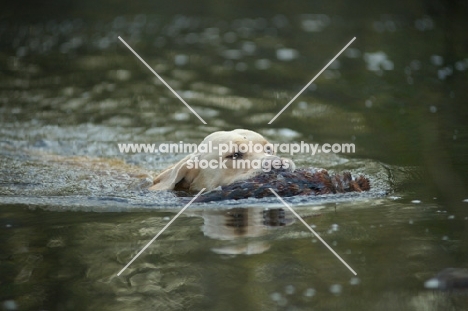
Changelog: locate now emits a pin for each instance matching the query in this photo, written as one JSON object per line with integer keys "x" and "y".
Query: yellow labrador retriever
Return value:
{"x": 229, "y": 161}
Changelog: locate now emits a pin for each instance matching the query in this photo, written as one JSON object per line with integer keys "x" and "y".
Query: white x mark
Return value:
{"x": 313, "y": 79}
{"x": 312, "y": 230}
{"x": 160, "y": 232}
{"x": 162, "y": 80}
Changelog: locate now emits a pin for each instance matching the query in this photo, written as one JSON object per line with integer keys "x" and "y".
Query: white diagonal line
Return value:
{"x": 164, "y": 82}
{"x": 313, "y": 79}
{"x": 162, "y": 230}
{"x": 312, "y": 230}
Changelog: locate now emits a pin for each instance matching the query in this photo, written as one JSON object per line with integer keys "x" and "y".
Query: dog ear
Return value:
{"x": 174, "y": 174}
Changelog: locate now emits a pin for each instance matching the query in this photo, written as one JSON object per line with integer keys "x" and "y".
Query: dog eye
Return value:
{"x": 268, "y": 150}
{"x": 235, "y": 156}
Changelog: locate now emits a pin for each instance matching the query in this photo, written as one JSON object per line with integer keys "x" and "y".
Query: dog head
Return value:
{"x": 221, "y": 158}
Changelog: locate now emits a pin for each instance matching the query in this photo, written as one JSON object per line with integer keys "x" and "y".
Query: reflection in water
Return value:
{"x": 56, "y": 259}
{"x": 241, "y": 224}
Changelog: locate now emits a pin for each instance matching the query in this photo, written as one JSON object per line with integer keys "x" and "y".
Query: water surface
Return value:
{"x": 74, "y": 210}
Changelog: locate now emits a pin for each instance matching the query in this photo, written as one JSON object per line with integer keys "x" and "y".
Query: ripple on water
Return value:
{"x": 73, "y": 180}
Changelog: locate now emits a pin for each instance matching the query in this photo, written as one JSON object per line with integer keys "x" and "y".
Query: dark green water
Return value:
{"x": 74, "y": 210}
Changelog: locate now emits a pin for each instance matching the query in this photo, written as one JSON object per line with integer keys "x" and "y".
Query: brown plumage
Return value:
{"x": 286, "y": 183}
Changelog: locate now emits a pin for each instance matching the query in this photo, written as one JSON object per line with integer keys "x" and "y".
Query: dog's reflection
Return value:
{"x": 241, "y": 225}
